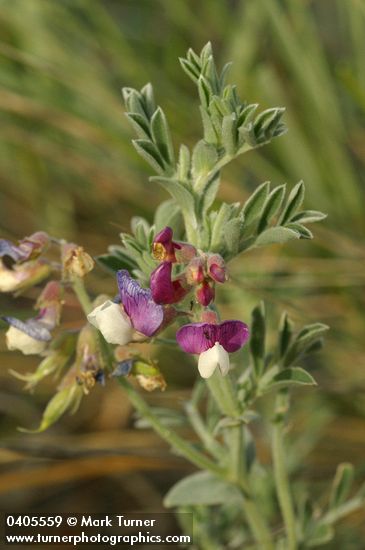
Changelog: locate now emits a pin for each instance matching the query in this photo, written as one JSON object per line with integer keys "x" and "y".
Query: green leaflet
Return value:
{"x": 319, "y": 535}
{"x": 308, "y": 216}
{"x": 252, "y": 208}
{"x": 289, "y": 377}
{"x": 231, "y": 234}
{"x": 276, "y": 235}
{"x": 285, "y": 333}
{"x": 257, "y": 339}
{"x": 161, "y": 136}
{"x": 272, "y": 205}
{"x": 202, "y": 488}
{"x": 303, "y": 341}
{"x": 168, "y": 214}
{"x": 179, "y": 192}
{"x": 341, "y": 484}
{"x": 204, "y": 158}
{"x": 115, "y": 262}
{"x": 150, "y": 153}
{"x": 294, "y": 202}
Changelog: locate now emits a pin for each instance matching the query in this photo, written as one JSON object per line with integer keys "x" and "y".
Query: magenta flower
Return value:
{"x": 164, "y": 289}
{"x": 145, "y": 315}
{"x": 163, "y": 247}
{"x": 212, "y": 343}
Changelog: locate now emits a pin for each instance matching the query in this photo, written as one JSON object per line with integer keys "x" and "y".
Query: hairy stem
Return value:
{"x": 211, "y": 444}
{"x": 82, "y": 295}
{"x": 221, "y": 389}
{"x": 180, "y": 445}
{"x": 222, "y": 392}
{"x": 280, "y": 472}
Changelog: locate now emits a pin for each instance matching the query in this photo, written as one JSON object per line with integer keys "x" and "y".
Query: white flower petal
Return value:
{"x": 211, "y": 359}
{"x": 112, "y": 322}
{"x": 18, "y": 340}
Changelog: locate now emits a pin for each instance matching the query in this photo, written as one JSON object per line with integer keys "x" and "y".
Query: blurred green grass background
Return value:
{"x": 67, "y": 166}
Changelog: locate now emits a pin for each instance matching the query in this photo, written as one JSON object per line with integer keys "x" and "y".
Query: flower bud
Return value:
{"x": 50, "y": 304}
{"x": 216, "y": 268}
{"x": 209, "y": 316}
{"x": 194, "y": 272}
{"x": 185, "y": 253}
{"x": 67, "y": 398}
{"x": 75, "y": 261}
{"x": 112, "y": 322}
{"x": 205, "y": 293}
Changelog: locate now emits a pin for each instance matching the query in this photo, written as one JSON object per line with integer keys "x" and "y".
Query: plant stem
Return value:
{"x": 222, "y": 392}
{"x": 352, "y": 505}
{"x": 82, "y": 295}
{"x": 211, "y": 444}
{"x": 180, "y": 445}
{"x": 280, "y": 472}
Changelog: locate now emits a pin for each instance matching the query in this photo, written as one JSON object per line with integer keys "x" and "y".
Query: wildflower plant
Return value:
{"x": 167, "y": 276}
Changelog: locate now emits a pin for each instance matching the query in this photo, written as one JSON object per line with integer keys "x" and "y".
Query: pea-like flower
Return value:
{"x": 33, "y": 335}
{"x": 164, "y": 289}
{"x": 165, "y": 249}
{"x": 212, "y": 343}
{"x": 27, "y": 249}
{"x": 137, "y": 313}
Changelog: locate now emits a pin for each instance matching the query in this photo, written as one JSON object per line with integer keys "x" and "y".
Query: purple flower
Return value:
{"x": 164, "y": 289}
{"x": 145, "y": 315}
{"x": 213, "y": 343}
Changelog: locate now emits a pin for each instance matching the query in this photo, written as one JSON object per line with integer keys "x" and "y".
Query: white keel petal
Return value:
{"x": 211, "y": 359}
{"x": 112, "y": 322}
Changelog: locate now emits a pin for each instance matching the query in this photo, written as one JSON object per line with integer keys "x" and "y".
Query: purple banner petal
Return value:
{"x": 33, "y": 328}
{"x": 197, "y": 337}
{"x": 146, "y": 316}
{"x": 232, "y": 335}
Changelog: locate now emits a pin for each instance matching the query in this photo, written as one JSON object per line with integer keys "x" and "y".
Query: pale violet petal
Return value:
{"x": 112, "y": 322}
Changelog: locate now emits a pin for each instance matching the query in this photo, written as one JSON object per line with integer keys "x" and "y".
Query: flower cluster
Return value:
{"x": 201, "y": 271}
{"x": 140, "y": 313}
{"x": 134, "y": 316}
